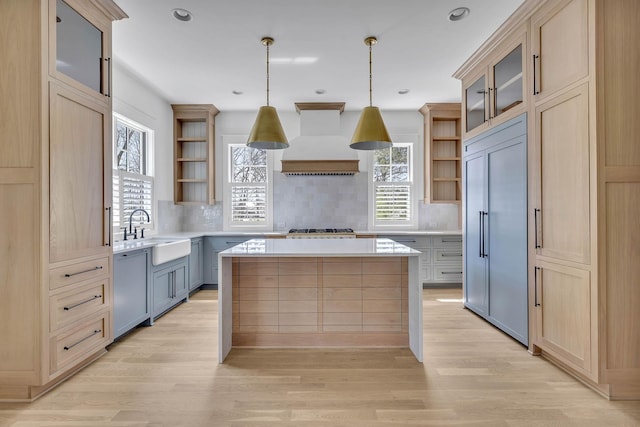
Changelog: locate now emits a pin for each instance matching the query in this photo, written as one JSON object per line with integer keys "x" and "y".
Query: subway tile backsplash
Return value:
{"x": 306, "y": 202}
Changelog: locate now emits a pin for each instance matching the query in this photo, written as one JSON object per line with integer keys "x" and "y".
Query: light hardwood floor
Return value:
{"x": 168, "y": 375}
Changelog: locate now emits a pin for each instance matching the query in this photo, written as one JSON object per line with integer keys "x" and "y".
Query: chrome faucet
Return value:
{"x": 135, "y": 235}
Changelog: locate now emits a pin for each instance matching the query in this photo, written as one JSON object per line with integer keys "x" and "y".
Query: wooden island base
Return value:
{"x": 320, "y": 301}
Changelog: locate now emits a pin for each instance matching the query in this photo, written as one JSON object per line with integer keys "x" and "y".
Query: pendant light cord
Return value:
{"x": 268, "y": 44}
{"x": 370, "y": 78}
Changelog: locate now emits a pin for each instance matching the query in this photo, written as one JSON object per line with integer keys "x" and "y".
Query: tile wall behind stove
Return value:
{"x": 320, "y": 201}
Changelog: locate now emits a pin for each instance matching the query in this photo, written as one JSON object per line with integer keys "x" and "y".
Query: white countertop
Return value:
{"x": 321, "y": 247}
{"x": 147, "y": 242}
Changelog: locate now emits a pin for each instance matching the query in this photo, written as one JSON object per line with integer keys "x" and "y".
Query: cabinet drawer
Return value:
{"x": 415, "y": 242}
{"x": 447, "y": 242}
{"x": 69, "y": 307}
{"x": 73, "y": 273}
{"x": 222, "y": 243}
{"x": 73, "y": 345}
{"x": 448, "y": 256}
{"x": 448, "y": 274}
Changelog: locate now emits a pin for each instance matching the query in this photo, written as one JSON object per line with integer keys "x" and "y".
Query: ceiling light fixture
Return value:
{"x": 182, "y": 15}
{"x": 459, "y": 13}
{"x": 267, "y": 131}
{"x": 370, "y": 134}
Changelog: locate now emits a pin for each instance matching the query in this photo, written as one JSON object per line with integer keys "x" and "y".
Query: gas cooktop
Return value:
{"x": 320, "y": 230}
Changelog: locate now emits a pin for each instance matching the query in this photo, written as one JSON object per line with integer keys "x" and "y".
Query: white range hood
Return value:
{"x": 320, "y": 149}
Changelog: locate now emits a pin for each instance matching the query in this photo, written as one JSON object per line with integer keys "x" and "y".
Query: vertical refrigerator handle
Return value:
{"x": 480, "y": 237}
{"x": 484, "y": 234}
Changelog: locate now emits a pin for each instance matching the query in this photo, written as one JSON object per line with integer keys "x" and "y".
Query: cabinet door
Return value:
{"x": 81, "y": 44}
{"x": 564, "y": 298}
{"x": 562, "y": 137}
{"x": 180, "y": 281}
{"x": 507, "y": 236}
{"x": 195, "y": 264}
{"x": 507, "y": 82}
{"x": 560, "y": 45}
{"x": 475, "y": 281}
{"x": 162, "y": 290}
{"x": 79, "y": 175}
{"x": 129, "y": 291}
{"x": 475, "y": 96}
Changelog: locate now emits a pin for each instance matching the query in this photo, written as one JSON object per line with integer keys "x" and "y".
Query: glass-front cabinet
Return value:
{"x": 82, "y": 54}
{"x": 494, "y": 93}
{"x": 507, "y": 82}
{"x": 475, "y": 103}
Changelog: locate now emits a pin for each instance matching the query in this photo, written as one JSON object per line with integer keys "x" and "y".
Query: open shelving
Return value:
{"x": 194, "y": 153}
{"x": 442, "y": 153}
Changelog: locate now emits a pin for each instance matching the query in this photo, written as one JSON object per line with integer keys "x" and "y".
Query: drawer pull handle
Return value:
{"x": 451, "y": 240}
{"x": 405, "y": 241}
{"x": 451, "y": 272}
{"x": 71, "y": 307}
{"x": 451, "y": 255}
{"x": 99, "y": 267}
{"x": 69, "y": 347}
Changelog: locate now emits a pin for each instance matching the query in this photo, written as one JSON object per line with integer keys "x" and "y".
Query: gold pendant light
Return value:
{"x": 267, "y": 131}
{"x": 371, "y": 133}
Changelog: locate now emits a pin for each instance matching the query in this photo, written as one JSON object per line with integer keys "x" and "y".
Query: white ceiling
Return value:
{"x": 219, "y": 50}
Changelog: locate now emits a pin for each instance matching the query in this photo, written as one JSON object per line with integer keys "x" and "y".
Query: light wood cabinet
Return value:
{"x": 79, "y": 167}
{"x": 194, "y": 153}
{"x": 55, "y": 253}
{"x": 584, "y": 185}
{"x": 442, "y": 153}
{"x": 560, "y": 46}
{"x": 493, "y": 91}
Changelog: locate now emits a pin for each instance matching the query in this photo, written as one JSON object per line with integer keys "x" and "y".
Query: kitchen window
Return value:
{"x": 248, "y": 187}
{"x": 392, "y": 188}
{"x": 132, "y": 174}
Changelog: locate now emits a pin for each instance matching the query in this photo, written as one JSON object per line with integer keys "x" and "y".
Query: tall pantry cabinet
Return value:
{"x": 55, "y": 175}
{"x": 584, "y": 186}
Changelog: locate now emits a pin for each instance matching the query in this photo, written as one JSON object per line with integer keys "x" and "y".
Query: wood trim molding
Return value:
{"x": 320, "y": 167}
{"x": 320, "y": 106}
{"x": 528, "y": 8}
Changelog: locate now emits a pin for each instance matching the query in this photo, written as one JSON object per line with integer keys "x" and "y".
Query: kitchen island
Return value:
{"x": 319, "y": 293}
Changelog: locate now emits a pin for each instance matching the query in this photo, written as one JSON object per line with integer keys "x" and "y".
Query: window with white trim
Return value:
{"x": 393, "y": 190}
{"x": 247, "y": 195}
{"x": 132, "y": 174}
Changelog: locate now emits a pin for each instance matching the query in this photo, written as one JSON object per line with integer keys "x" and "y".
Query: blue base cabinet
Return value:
{"x": 495, "y": 227}
{"x": 131, "y": 296}
{"x": 212, "y": 246}
{"x": 170, "y": 283}
{"x": 196, "y": 269}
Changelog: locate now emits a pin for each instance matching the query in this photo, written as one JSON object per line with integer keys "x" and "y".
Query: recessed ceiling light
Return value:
{"x": 237, "y": 92}
{"x": 459, "y": 13}
{"x": 182, "y": 15}
{"x": 403, "y": 91}
{"x": 320, "y": 91}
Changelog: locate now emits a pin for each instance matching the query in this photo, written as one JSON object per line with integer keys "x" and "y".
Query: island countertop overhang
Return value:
{"x": 320, "y": 247}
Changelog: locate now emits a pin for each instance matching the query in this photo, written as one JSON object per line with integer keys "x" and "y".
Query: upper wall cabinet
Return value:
{"x": 493, "y": 91}
{"x": 557, "y": 65}
{"x": 80, "y": 50}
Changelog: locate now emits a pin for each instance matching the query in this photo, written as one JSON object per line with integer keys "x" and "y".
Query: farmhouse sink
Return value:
{"x": 168, "y": 250}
